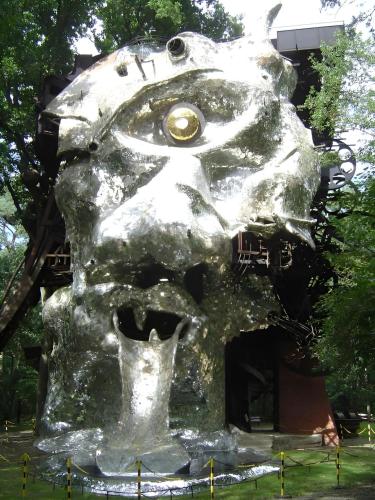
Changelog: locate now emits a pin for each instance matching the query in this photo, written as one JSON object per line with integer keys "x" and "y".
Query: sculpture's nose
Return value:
{"x": 171, "y": 219}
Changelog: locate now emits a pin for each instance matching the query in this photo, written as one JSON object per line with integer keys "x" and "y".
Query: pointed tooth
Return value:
{"x": 140, "y": 315}
{"x": 154, "y": 336}
{"x": 116, "y": 323}
{"x": 181, "y": 326}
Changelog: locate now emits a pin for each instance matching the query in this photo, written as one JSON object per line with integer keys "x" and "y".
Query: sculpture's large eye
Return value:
{"x": 183, "y": 123}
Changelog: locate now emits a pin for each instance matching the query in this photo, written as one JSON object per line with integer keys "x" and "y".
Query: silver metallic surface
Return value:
{"x": 155, "y": 486}
{"x": 146, "y": 219}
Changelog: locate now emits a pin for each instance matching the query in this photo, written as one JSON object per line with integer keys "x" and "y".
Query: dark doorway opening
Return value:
{"x": 251, "y": 371}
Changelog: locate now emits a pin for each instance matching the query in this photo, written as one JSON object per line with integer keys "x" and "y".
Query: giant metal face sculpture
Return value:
{"x": 169, "y": 153}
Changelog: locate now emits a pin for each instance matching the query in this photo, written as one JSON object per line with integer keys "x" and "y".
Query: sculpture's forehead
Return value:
{"x": 99, "y": 91}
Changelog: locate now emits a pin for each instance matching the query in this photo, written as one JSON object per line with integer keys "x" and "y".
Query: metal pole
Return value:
{"x": 25, "y": 459}
{"x": 139, "y": 469}
{"x": 338, "y": 466}
{"x": 212, "y": 478}
{"x": 368, "y": 409}
{"x": 69, "y": 477}
{"x": 282, "y": 474}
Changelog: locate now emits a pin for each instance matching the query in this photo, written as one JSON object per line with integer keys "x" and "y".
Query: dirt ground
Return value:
{"x": 17, "y": 443}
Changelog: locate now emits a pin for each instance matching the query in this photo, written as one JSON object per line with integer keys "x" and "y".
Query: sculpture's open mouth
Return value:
{"x": 157, "y": 325}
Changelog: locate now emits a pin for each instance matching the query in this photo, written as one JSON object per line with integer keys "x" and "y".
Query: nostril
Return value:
{"x": 266, "y": 220}
{"x": 194, "y": 280}
{"x": 152, "y": 275}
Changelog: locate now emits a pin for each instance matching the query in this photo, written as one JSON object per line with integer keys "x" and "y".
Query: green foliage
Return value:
{"x": 124, "y": 20}
{"x": 35, "y": 41}
{"x": 346, "y": 101}
{"x": 18, "y": 380}
{"x": 347, "y": 343}
{"x": 362, "y": 11}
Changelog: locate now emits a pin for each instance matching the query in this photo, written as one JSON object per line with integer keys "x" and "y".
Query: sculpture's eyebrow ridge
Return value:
{"x": 149, "y": 88}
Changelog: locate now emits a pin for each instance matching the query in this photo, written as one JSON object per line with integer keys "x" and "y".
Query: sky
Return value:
{"x": 292, "y": 13}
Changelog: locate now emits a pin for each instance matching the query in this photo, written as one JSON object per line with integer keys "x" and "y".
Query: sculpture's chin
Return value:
{"x": 147, "y": 362}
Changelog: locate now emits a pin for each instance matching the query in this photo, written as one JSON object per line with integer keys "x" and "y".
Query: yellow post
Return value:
{"x": 25, "y": 459}
{"x": 69, "y": 477}
{"x": 338, "y": 466}
{"x": 282, "y": 474}
{"x": 212, "y": 478}
{"x": 139, "y": 479}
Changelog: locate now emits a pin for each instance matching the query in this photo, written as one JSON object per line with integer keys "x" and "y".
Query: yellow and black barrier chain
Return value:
{"x": 309, "y": 464}
{"x": 159, "y": 476}
{"x": 139, "y": 464}
{"x": 80, "y": 469}
{"x": 4, "y": 458}
{"x": 367, "y": 429}
{"x": 25, "y": 463}
{"x": 240, "y": 466}
{"x": 69, "y": 478}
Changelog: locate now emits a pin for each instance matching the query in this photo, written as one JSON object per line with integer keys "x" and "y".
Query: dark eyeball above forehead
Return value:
{"x": 183, "y": 124}
{"x": 177, "y": 48}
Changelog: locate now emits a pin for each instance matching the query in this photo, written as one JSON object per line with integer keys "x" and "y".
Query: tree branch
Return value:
{"x": 13, "y": 195}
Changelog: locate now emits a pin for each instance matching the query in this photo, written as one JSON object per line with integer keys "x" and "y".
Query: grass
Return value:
{"x": 357, "y": 468}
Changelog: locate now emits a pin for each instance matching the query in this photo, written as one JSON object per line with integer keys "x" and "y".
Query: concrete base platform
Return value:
{"x": 263, "y": 443}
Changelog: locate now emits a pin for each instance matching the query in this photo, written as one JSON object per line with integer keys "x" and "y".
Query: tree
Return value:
{"x": 17, "y": 379}
{"x": 347, "y": 342}
{"x": 346, "y": 101}
{"x": 364, "y": 11}
{"x": 124, "y": 20}
{"x": 35, "y": 41}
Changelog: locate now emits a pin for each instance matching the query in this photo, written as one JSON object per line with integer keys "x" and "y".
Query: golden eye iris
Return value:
{"x": 183, "y": 124}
